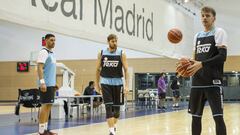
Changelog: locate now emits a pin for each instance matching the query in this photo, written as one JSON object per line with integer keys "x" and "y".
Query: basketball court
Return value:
{"x": 148, "y": 122}
{"x": 154, "y": 35}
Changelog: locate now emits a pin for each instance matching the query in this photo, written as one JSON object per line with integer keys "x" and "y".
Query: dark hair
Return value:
{"x": 161, "y": 74}
{"x": 47, "y": 36}
{"x": 209, "y": 9}
{"x": 90, "y": 83}
{"x": 111, "y": 36}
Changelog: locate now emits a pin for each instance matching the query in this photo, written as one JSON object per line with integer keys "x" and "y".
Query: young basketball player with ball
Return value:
{"x": 206, "y": 69}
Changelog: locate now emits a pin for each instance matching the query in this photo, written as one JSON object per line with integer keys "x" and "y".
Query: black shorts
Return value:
{"x": 162, "y": 95}
{"x": 199, "y": 96}
{"x": 176, "y": 93}
{"x": 48, "y": 96}
{"x": 113, "y": 94}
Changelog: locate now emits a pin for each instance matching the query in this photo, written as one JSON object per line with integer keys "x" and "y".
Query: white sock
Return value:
{"x": 111, "y": 130}
{"x": 176, "y": 104}
{"x": 46, "y": 126}
{"x": 41, "y": 128}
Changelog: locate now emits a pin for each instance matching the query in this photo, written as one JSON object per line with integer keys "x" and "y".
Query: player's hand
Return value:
{"x": 99, "y": 89}
{"x": 43, "y": 87}
{"x": 126, "y": 90}
{"x": 56, "y": 88}
{"x": 183, "y": 59}
{"x": 191, "y": 70}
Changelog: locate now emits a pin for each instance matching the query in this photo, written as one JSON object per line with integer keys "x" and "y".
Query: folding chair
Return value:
{"x": 29, "y": 98}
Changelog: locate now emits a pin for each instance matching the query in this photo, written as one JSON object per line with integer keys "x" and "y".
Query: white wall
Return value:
{"x": 18, "y": 41}
{"x": 140, "y": 25}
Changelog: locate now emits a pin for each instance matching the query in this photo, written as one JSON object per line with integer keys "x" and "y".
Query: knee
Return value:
{"x": 196, "y": 120}
{"x": 109, "y": 112}
{"x": 46, "y": 107}
{"x": 218, "y": 119}
{"x": 117, "y": 114}
{"x": 49, "y": 106}
{"x": 116, "y": 111}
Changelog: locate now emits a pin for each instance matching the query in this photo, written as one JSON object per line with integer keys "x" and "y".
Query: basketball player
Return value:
{"x": 162, "y": 91}
{"x": 207, "y": 70}
{"x": 46, "y": 64}
{"x": 109, "y": 81}
{"x": 175, "y": 85}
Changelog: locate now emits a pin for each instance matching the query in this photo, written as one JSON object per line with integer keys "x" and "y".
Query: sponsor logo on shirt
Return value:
{"x": 216, "y": 82}
{"x": 110, "y": 63}
{"x": 204, "y": 48}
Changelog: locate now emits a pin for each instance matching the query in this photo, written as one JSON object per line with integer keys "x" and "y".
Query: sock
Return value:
{"x": 46, "y": 126}
{"x": 112, "y": 130}
{"x": 176, "y": 104}
{"x": 41, "y": 128}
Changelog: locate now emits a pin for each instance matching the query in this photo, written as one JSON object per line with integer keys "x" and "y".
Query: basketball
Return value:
{"x": 77, "y": 94}
{"x": 174, "y": 35}
{"x": 182, "y": 66}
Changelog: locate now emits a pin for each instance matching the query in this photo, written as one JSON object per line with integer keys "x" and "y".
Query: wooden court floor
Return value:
{"x": 171, "y": 123}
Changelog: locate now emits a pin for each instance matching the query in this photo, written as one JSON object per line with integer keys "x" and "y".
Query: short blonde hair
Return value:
{"x": 111, "y": 36}
{"x": 209, "y": 9}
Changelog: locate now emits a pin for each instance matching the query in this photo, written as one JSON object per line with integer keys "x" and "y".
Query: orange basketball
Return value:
{"x": 77, "y": 94}
{"x": 174, "y": 35}
{"x": 182, "y": 66}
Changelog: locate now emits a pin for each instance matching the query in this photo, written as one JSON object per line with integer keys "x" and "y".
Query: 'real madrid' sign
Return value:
{"x": 106, "y": 14}
{"x": 139, "y": 24}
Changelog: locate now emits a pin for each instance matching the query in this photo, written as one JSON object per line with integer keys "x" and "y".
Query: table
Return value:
{"x": 78, "y": 97}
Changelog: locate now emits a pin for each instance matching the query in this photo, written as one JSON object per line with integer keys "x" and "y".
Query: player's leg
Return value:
{"x": 118, "y": 100}
{"x": 163, "y": 100}
{"x": 160, "y": 100}
{"x": 215, "y": 99}
{"x": 49, "y": 101}
{"x": 177, "y": 96}
{"x": 46, "y": 99}
{"x": 108, "y": 101}
{"x": 116, "y": 116}
{"x": 174, "y": 98}
{"x": 42, "y": 119}
{"x": 162, "y": 97}
{"x": 196, "y": 105}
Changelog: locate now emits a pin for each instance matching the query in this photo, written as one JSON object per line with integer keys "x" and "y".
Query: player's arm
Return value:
{"x": 196, "y": 65}
{"x": 41, "y": 78}
{"x": 42, "y": 57}
{"x": 126, "y": 75}
{"x": 219, "y": 58}
{"x": 40, "y": 70}
{"x": 98, "y": 70}
{"x": 221, "y": 44}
